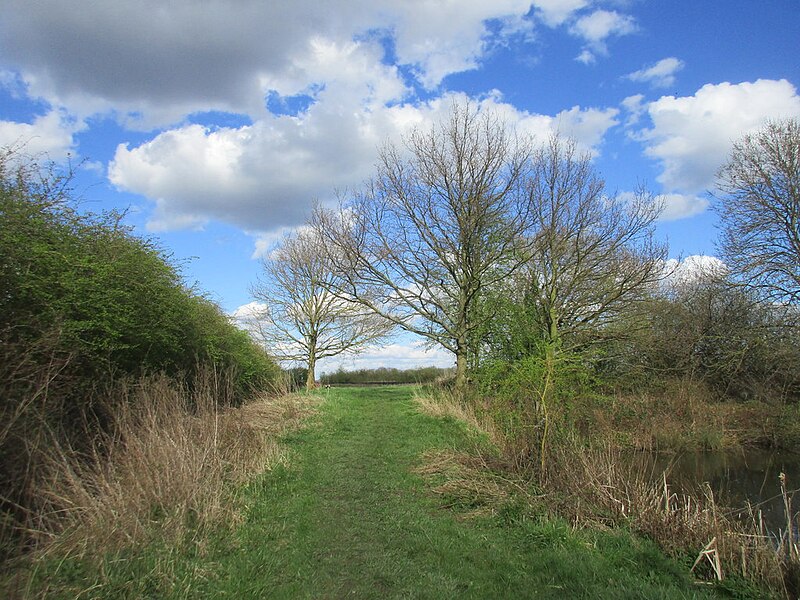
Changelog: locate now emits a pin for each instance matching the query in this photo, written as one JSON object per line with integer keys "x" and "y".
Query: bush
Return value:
{"x": 83, "y": 304}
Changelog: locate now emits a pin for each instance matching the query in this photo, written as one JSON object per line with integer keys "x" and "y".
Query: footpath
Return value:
{"x": 349, "y": 517}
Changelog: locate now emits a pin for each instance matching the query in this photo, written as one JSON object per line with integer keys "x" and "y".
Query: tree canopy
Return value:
{"x": 301, "y": 319}
{"x": 758, "y": 204}
{"x": 437, "y": 225}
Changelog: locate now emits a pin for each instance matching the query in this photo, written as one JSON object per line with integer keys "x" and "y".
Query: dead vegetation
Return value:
{"x": 593, "y": 487}
{"x": 474, "y": 484}
{"x": 169, "y": 471}
{"x": 446, "y": 403}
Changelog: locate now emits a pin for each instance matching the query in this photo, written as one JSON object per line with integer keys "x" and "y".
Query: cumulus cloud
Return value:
{"x": 247, "y": 312}
{"x": 587, "y": 126}
{"x": 51, "y": 134}
{"x": 681, "y": 206}
{"x": 556, "y": 12}
{"x": 691, "y": 136}
{"x": 680, "y": 274}
{"x": 674, "y": 206}
{"x": 265, "y": 177}
{"x": 441, "y": 38}
{"x": 596, "y": 27}
{"x": 152, "y": 65}
{"x": 586, "y": 57}
{"x": 152, "y": 62}
{"x": 659, "y": 75}
{"x": 635, "y": 107}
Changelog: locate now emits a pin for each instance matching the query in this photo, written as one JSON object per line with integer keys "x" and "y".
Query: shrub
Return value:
{"x": 85, "y": 303}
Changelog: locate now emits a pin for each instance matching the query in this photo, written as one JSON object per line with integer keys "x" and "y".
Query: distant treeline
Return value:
{"x": 386, "y": 375}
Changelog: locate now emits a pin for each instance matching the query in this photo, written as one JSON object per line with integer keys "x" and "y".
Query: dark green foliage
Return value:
{"x": 85, "y": 303}
{"x": 386, "y": 375}
{"x": 115, "y": 301}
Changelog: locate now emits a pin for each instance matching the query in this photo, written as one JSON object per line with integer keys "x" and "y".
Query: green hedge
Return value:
{"x": 86, "y": 308}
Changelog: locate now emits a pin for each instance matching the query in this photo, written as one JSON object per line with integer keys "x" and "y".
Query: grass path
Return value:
{"x": 348, "y": 517}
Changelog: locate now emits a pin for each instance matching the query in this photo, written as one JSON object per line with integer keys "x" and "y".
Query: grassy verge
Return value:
{"x": 366, "y": 507}
{"x": 588, "y": 483}
{"x": 155, "y": 490}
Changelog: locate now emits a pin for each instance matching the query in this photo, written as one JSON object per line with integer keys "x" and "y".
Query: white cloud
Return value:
{"x": 248, "y": 311}
{"x": 691, "y": 136}
{"x": 680, "y": 274}
{"x": 635, "y": 108}
{"x": 681, "y": 206}
{"x": 586, "y": 57}
{"x": 350, "y": 73}
{"x": 661, "y": 74}
{"x": 556, "y": 12}
{"x": 265, "y": 177}
{"x": 447, "y": 37}
{"x": 266, "y": 242}
{"x": 151, "y": 63}
{"x": 675, "y": 206}
{"x": 587, "y": 126}
{"x": 596, "y": 27}
{"x": 51, "y": 134}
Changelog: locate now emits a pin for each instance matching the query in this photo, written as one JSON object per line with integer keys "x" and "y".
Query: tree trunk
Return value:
{"x": 546, "y": 394}
{"x": 545, "y": 397}
{"x": 461, "y": 368}
{"x": 311, "y": 379}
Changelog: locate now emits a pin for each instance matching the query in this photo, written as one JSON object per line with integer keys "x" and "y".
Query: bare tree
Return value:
{"x": 436, "y": 226}
{"x": 759, "y": 210}
{"x": 593, "y": 255}
{"x": 302, "y": 321}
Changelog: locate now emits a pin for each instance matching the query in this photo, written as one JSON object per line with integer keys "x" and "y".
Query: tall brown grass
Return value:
{"x": 596, "y": 487}
{"x": 168, "y": 469}
{"x": 442, "y": 401}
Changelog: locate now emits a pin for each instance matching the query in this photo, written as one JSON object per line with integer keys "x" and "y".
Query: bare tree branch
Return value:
{"x": 438, "y": 224}
{"x": 593, "y": 255}
{"x": 759, "y": 209}
{"x": 302, "y": 321}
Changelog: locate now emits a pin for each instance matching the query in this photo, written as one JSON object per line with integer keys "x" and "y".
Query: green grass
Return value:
{"x": 348, "y": 517}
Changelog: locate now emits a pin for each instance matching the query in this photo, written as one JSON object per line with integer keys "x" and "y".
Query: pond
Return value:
{"x": 736, "y": 478}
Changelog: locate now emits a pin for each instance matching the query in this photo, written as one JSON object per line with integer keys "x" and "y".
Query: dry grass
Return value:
{"x": 595, "y": 488}
{"x": 472, "y": 483}
{"x": 443, "y": 403}
{"x": 686, "y": 415}
{"x": 169, "y": 469}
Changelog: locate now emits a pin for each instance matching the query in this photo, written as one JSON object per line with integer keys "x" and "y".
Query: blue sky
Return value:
{"x": 217, "y": 124}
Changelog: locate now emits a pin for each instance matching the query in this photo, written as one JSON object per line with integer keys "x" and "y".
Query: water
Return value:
{"x": 736, "y": 478}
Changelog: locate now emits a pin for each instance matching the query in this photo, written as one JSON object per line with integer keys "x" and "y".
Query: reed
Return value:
{"x": 596, "y": 487}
